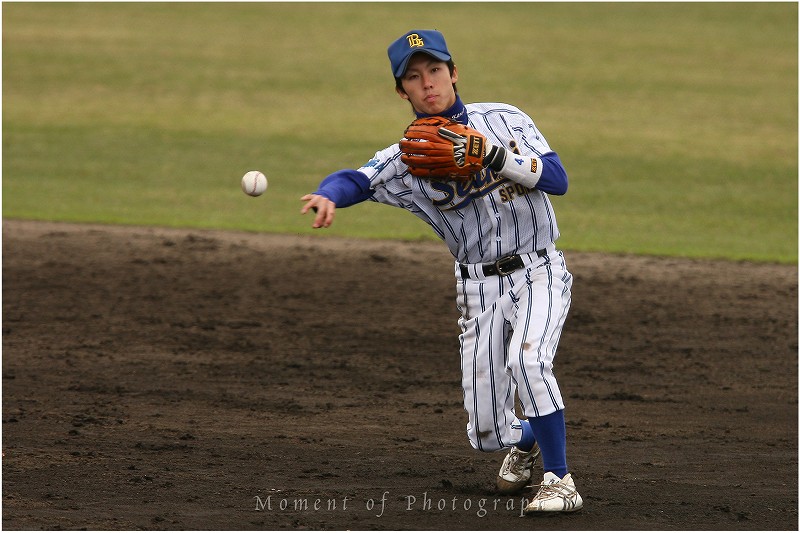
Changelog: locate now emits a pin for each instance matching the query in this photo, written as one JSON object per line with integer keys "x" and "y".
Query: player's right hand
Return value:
{"x": 323, "y": 207}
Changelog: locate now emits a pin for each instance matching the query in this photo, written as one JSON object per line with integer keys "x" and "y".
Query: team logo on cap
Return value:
{"x": 415, "y": 41}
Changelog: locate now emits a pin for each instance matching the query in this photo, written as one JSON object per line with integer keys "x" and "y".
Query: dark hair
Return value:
{"x": 398, "y": 82}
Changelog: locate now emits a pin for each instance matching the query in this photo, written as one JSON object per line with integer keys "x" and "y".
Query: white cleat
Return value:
{"x": 555, "y": 495}
{"x": 516, "y": 470}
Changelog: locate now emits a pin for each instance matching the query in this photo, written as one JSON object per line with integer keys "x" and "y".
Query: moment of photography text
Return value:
{"x": 386, "y": 503}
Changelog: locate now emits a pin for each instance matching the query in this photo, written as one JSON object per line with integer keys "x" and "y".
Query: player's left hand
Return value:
{"x": 323, "y": 207}
{"x": 439, "y": 148}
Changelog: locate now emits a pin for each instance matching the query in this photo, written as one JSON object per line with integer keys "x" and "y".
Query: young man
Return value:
{"x": 513, "y": 286}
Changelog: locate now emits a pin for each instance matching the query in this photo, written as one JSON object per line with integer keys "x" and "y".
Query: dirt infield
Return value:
{"x": 167, "y": 379}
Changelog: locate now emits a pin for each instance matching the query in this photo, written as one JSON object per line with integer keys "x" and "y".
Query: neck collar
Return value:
{"x": 456, "y": 112}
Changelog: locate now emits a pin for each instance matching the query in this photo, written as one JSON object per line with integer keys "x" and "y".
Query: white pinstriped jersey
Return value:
{"x": 491, "y": 217}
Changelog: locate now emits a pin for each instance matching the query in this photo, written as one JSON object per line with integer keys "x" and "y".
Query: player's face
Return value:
{"x": 428, "y": 85}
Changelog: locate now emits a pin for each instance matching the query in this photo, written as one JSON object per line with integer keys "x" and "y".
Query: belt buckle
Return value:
{"x": 502, "y": 262}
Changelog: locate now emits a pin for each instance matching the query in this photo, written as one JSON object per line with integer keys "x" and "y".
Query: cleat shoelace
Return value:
{"x": 518, "y": 463}
{"x": 559, "y": 490}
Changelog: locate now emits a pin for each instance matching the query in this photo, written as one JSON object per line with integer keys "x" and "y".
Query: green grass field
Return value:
{"x": 677, "y": 123}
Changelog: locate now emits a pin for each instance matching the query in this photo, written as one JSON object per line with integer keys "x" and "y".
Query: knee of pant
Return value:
{"x": 489, "y": 440}
{"x": 530, "y": 361}
{"x": 535, "y": 373}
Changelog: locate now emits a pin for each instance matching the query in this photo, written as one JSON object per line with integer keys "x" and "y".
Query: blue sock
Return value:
{"x": 527, "y": 441}
{"x": 550, "y": 432}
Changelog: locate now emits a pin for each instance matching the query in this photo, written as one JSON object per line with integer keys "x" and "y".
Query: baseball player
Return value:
{"x": 513, "y": 289}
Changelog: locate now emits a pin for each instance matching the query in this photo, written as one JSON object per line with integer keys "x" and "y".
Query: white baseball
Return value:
{"x": 254, "y": 183}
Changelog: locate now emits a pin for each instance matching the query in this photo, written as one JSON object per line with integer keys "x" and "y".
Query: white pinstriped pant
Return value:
{"x": 510, "y": 328}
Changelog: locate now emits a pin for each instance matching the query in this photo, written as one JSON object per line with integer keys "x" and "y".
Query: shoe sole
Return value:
{"x": 551, "y": 513}
{"x": 542, "y": 512}
{"x": 508, "y": 487}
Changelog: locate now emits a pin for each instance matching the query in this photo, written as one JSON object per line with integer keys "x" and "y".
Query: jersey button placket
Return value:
{"x": 496, "y": 226}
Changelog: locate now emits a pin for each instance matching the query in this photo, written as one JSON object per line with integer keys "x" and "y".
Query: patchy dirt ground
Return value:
{"x": 167, "y": 379}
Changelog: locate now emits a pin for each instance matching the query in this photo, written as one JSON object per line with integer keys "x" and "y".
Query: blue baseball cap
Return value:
{"x": 430, "y": 42}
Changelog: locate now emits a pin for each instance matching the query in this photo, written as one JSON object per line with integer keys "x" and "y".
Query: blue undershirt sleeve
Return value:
{"x": 345, "y": 188}
{"x": 554, "y": 177}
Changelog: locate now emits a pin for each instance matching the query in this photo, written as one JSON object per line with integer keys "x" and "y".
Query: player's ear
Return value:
{"x": 401, "y": 93}
{"x": 454, "y": 75}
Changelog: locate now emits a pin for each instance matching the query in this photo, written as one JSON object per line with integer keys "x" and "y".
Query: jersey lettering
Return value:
{"x": 510, "y": 191}
{"x": 460, "y": 195}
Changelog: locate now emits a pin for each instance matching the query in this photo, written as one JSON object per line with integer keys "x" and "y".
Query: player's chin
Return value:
{"x": 434, "y": 107}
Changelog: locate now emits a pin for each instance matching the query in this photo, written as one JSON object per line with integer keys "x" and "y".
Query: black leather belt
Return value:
{"x": 501, "y": 267}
